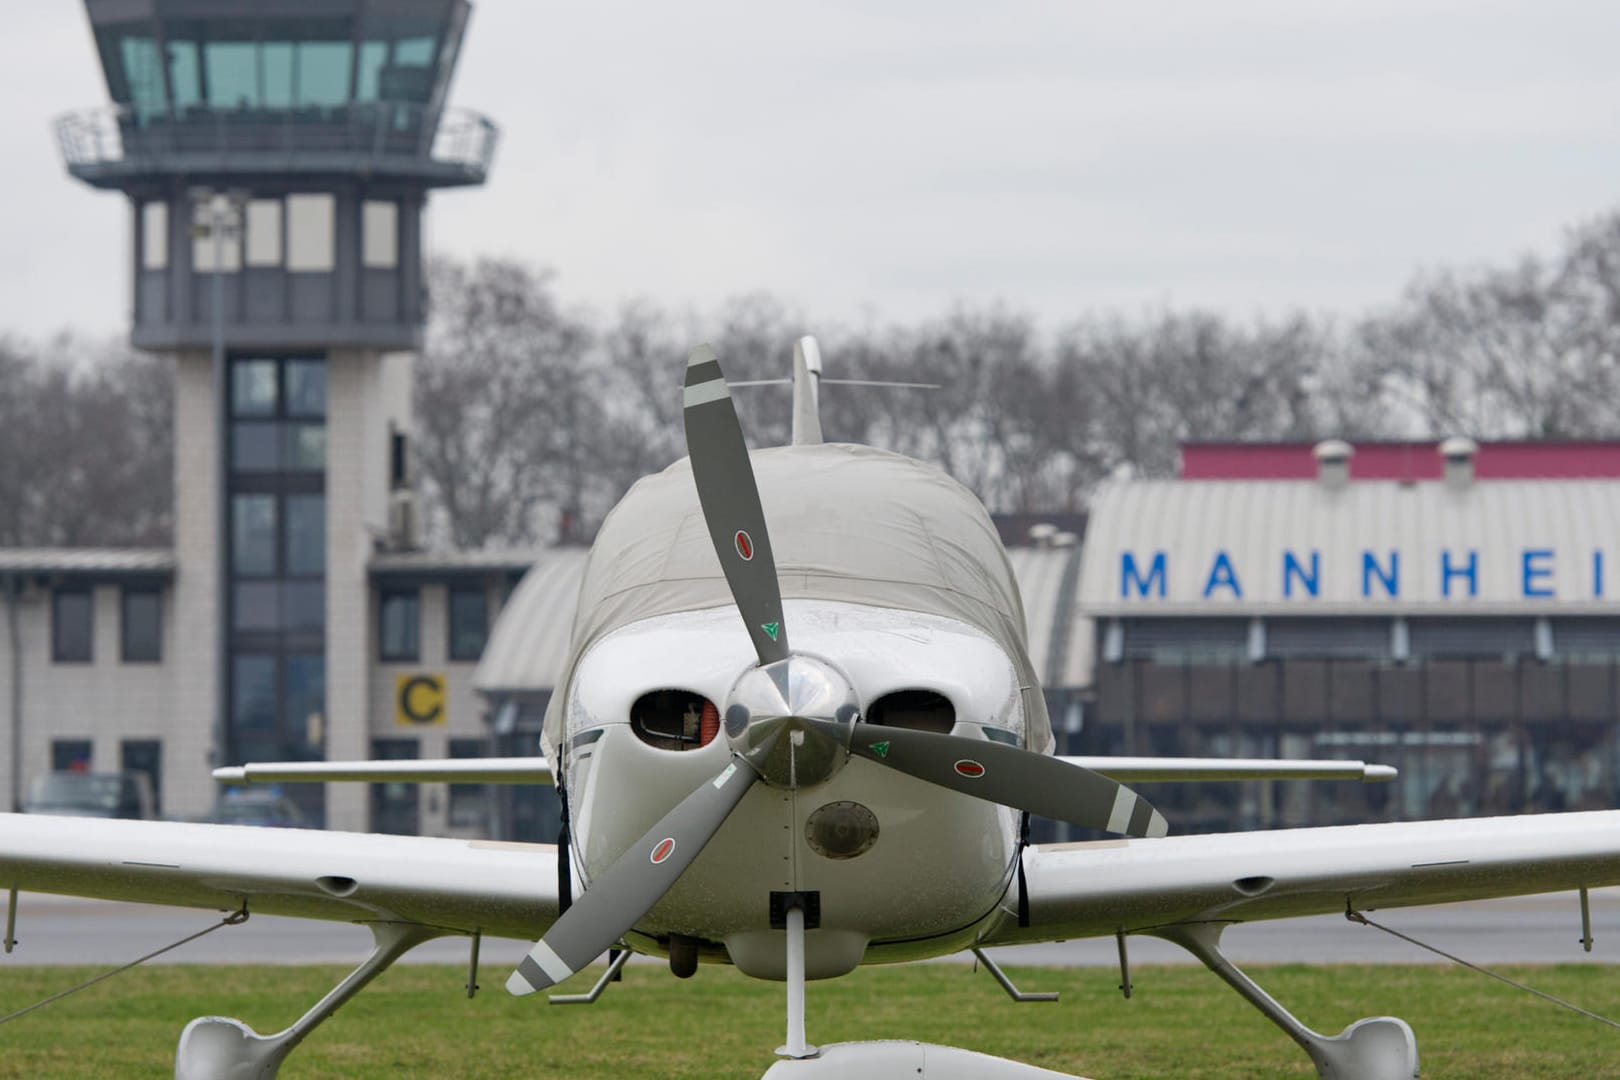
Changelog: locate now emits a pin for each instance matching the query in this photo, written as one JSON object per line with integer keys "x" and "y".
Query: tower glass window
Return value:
{"x": 310, "y": 240}
{"x": 154, "y": 235}
{"x": 264, "y": 232}
{"x": 278, "y": 561}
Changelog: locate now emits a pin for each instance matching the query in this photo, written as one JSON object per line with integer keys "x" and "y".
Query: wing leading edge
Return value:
{"x": 1093, "y": 889}
{"x": 502, "y": 889}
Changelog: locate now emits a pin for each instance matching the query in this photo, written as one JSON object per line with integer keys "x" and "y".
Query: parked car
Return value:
{"x": 258, "y": 808}
{"x": 87, "y": 794}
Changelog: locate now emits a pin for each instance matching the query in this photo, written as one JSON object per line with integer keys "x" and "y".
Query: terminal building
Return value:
{"x": 1450, "y": 609}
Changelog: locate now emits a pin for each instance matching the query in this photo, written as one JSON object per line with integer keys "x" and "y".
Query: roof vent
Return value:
{"x": 1459, "y": 452}
{"x": 1333, "y": 463}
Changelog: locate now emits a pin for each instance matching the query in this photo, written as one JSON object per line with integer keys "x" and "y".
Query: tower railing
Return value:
{"x": 386, "y": 136}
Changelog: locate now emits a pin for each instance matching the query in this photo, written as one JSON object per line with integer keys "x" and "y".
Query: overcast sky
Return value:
{"x": 1249, "y": 156}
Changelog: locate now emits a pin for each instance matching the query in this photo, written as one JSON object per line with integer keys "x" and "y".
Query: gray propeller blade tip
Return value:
{"x": 540, "y": 969}
{"x": 703, "y": 354}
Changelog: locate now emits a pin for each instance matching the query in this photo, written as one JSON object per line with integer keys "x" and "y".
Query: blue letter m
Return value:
{"x": 1130, "y": 576}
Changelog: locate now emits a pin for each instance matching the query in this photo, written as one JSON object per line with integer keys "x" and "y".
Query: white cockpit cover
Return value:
{"x": 847, "y": 523}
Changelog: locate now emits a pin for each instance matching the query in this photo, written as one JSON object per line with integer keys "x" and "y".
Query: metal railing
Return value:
{"x": 112, "y": 135}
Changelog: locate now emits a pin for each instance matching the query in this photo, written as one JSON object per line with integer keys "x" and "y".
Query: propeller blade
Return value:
{"x": 730, "y": 501}
{"x": 1012, "y": 777}
{"x": 633, "y": 884}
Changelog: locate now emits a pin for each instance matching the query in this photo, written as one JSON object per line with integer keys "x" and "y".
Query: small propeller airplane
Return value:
{"x": 799, "y": 731}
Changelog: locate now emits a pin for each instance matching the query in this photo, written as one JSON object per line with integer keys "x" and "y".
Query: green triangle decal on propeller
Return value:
{"x": 771, "y": 628}
{"x": 881, "y": 749}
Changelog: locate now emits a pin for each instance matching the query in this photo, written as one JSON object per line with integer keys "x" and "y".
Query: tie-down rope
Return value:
{"x": 1358, "y": 917}
{"x": 233, "y": 919}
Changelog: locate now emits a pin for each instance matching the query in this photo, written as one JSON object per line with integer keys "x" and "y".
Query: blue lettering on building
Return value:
{"x": 1222, "y": 576}
{"x": 1146, "y": 576}
{"x": 1131, "y": 577}
{"x": 1536, "y": 572}
{"x": 1311, "y": 580}
{"x": 1389, "y": 578}
{"x": 1469, "y": 570}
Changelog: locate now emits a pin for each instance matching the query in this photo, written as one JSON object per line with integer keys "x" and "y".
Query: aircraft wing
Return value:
{"x": 1091, "y": 889}
{"x": 503, "y": 889}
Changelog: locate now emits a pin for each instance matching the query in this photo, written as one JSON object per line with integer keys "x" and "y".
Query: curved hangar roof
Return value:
{"x": 1190, "y": 547}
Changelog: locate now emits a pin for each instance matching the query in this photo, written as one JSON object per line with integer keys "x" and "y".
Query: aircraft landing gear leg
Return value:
{"x": 216, "y": 1047}
{"x": 1380, "y": 1048}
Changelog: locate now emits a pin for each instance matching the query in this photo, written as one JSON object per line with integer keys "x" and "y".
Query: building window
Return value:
{"x": 154, "y": 235}
{"x": 379, "y": 235}
{"x": 203, "y": 245}
{"x": 310, "y": 241}
{"x": 469, "y": 621}
{"x": 399, "y": 618}
{"x": 394, "y": 807}
{"x": 145, "y": 756}
{"x": 142, "y": 626}
{"x": 306, "y": 388}
{"x": 264, "y": 232}
{"x": 253, "y": 388}
{"x": 253, "y": 535}
{"x": 70, "y": 755}
{"x": 469, "y": 803}
{"x": 306, "y": 535}
{"x": 72, "y": 625}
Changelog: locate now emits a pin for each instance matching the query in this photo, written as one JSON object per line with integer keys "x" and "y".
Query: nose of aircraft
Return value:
{"x": 792, "y": 720}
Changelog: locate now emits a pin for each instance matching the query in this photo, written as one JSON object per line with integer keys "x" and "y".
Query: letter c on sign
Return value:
{"x": 421, "y": 699}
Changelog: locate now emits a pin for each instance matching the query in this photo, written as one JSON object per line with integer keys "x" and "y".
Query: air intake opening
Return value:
{"x": 674, "y": 719}
{"x": 1254, "y": 886}
{"x": 920, "y": 710}
{"x": 337, "y": 885}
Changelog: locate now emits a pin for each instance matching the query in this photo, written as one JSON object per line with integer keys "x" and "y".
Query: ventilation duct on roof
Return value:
{"x": 1333, "y": 463}
{"x": 1458, "y": 452}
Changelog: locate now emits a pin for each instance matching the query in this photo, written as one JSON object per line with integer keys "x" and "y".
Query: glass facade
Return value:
{"x": 1483, "y": 715}
{"x": 261, "y": 62}
{"x": 277, "y": 526}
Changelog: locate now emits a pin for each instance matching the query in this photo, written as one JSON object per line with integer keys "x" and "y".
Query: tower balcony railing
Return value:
{"x": 113, "y": 144}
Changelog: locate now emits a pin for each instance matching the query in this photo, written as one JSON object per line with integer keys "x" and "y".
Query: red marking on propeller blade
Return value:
{"x": 970, "y": 769}
{"x": 745, "y": 545}
{"x": 663, "y": 849}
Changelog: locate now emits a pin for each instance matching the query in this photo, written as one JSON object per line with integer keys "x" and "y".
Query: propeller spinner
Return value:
{"x": 792, "y": 721}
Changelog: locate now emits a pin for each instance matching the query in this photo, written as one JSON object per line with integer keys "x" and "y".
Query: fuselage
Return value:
{"x": 901, "y": 868}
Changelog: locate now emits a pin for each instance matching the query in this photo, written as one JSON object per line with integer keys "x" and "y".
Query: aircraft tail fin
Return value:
{"x": 806, "y": 392}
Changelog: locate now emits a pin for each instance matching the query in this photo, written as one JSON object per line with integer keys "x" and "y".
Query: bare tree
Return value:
{"x": 86, "y": 444}
{"x": 500, "y": 410}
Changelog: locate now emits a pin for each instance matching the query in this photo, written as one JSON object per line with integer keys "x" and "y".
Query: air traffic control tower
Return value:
{"x": 277, "y": 156}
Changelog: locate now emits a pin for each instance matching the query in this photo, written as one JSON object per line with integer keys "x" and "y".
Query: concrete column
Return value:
{"x": 188, "y": 788}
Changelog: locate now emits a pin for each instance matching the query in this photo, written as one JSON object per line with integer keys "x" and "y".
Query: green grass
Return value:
{"x": 415, "y": 1021}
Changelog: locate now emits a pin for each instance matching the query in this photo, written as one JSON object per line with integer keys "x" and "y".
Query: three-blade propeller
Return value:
{"x": 999, "y": 773}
